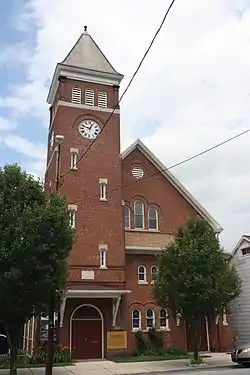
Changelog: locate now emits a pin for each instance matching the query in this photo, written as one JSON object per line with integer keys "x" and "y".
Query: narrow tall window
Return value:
{"x": 103, "y": 258}
{"x": 72, "y": 218}
{"x": 224, "y": 318}
{"x": 127, "y": 217}
{"x": 138, "y": 215}
{"x": 103, "y": 188}
{"x": 142, "y": 274}
{"x": 73, "y": 158}
{"x": 150, "y": 318}
{"x": 102, "y": 99}
{"x": 136, "y": 319}
{"x": 153, "y": 273}
{"x": 152, "y": 219}
{"x": 89, "y": 97}
{"x": 76, "y": 96}
{"x": 164, "y": 320}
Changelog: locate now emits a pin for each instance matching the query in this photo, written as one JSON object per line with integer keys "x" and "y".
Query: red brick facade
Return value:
{"x": 113, "y": 288}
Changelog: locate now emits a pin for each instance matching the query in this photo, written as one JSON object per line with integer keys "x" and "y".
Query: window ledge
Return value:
{"x": 152, "y": 282}
{"x": 103, "y": 267}
{"x": 157, "y": 329}
{"x": 225, "y": 324}
{"x": 141, "y": 230}
{"x": 142, "y": 282}
{"x": 134, "y": 330}
{"x": 103, "y": 199}
{"x": 73, "y": 169}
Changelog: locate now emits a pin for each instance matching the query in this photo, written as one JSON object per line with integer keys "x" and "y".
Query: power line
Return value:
{"x": 172, "y": 166}
{"x": 129, "y": 84}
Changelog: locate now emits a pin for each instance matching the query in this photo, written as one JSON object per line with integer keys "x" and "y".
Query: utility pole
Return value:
{"x": 51, "y": 327}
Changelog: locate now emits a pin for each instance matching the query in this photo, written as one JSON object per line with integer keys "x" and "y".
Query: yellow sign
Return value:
{"x": 116, "y": 340}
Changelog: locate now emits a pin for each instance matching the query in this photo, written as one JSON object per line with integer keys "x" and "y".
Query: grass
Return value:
{"x": 150, "y": 358}
{"x": 29, "y": 365}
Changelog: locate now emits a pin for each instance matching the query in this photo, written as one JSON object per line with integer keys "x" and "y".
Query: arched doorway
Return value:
{"x": 86, "y": 331}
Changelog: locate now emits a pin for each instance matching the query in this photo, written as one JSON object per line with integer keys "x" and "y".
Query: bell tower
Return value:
{"x": 83, "y": 93}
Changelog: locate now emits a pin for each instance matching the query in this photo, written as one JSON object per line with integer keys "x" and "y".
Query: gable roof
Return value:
{"x": 86, "y": 54}
{"x": 173, "y": 181}
{"x": 244, "y": 237}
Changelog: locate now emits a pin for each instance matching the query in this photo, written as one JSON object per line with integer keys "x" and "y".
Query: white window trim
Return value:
{"x": 76, "y": 93}
{"x": 147, "y": 328}
{"x": 152, "y": 281}
{"x": 224, "y": 318}
{"x": 134, "y": 329}
{"x": 143, "y": 215}
{"x": 72, "y": 220}
{"x": 145, "y": 275}
{"x": 103, "y": 250}
{"x": 129, "y": 217}
{"x": 73, "y": 154}
{"x": 157, "y": 221}
{"x": 90, "y": 94}
{"x": 103, "y": 182}
{"x": 102, "y": 99}
{"x": 167, "y": 321}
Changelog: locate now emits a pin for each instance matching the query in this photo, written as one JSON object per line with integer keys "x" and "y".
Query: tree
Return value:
{"x": 194, "y": 277}
{"x": 35, "y": 241}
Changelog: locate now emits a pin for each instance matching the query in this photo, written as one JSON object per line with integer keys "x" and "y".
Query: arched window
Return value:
{"x": 138, "y": 215}
{"x": 89, "y": 97}
{"x": 127, "y": 217}
{"x": 76, "y": 95}
{"x": 154, "y": 270}
{"x": 102, "y": 99}
{"x": 142, "y": 274}
{"x": 164, "y": 319}
{"x": 150, "y": 318}
{"x": 152, "y": 219}
{"x": 136, "y": 319}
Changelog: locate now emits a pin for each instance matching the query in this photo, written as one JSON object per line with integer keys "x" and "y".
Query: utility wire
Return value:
{"x": 172, "y": 166}
{"x": 126, "y": 89}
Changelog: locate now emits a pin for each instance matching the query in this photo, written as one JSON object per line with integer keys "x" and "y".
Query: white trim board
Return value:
{"x": 244, "y": 237}
{"x": 173, "y": 180}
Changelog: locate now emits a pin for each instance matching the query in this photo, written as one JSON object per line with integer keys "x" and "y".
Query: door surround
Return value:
{"x": 70, "y": 325}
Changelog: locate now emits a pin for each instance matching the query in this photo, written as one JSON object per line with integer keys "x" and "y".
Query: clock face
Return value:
{"x": 89, "y": 129}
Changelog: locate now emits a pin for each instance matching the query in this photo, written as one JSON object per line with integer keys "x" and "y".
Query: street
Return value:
{"x": 220, "y": 371}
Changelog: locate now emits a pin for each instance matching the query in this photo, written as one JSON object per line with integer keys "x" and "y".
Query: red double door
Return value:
{"x": 87, "y": 339}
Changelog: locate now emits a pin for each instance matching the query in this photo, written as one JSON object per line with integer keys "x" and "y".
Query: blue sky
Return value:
{"x": 191, "y": 92}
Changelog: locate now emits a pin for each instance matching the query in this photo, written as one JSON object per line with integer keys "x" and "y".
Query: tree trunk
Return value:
{"x": 50, "y": 345}
{"x": 196, "y": 324}
{"x": 13, "y": 341}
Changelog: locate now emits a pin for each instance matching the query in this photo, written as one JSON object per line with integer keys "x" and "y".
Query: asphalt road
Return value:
{"x": 234, "y": 370}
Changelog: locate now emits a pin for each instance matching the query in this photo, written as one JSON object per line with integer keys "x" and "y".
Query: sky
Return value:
{"x": 192, "y": 92}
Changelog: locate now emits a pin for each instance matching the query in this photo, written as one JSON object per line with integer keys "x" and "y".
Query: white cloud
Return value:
{"x": 195, "y": 83}
{"x": 26, "y": 147}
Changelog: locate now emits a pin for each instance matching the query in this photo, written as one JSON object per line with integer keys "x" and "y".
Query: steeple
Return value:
{"x": 85, "y": 61}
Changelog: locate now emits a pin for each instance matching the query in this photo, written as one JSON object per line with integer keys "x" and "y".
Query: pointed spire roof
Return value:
{"x": 86, "y": 54}
{"x": 87, "y": 62}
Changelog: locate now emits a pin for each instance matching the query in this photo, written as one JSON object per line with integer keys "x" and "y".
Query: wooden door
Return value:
{"x": 87, "y": 339}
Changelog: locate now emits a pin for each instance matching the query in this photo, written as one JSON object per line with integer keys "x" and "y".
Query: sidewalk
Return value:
{"x": 110, "y": 368}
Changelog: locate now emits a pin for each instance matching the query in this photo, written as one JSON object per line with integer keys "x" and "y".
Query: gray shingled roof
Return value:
{"x": 87, "y": 55}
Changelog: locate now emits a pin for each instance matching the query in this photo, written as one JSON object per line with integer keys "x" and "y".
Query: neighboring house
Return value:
{"x": 124, "y": 208}
{"x": 240, "y": 307}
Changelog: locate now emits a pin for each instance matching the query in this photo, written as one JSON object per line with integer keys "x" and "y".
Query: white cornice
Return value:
{"x": 81, "y": 74}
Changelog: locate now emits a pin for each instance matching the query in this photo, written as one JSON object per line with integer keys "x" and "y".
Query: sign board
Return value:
{"x": 116, "y": 340}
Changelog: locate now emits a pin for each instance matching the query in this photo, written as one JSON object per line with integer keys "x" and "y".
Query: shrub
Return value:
{"x": 61, "y": 355}
{"x": 141, "y": 343}
{"x": 155, "y": 341}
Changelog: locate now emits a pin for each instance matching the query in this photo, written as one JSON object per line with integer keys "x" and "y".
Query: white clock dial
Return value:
{"x": 89, "y": 129}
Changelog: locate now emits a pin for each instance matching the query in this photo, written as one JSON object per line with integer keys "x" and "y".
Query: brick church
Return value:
{"x": 124, "y": 208}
